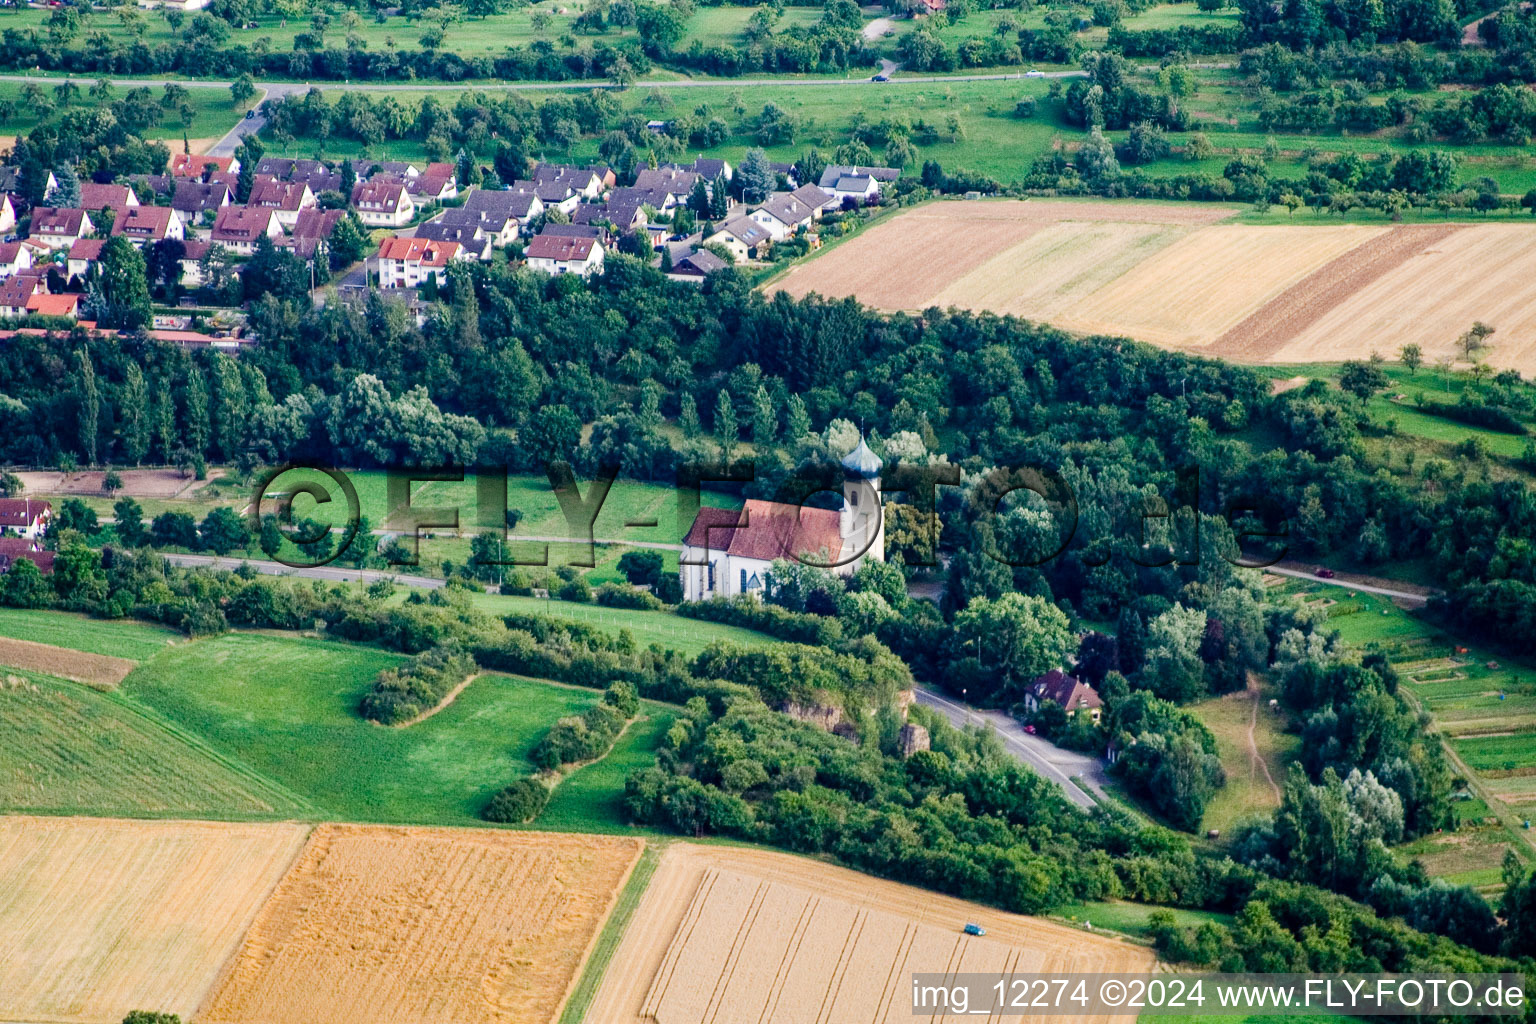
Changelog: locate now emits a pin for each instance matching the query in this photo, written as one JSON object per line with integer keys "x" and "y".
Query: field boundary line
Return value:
{"x": 594, "y": 965}
{"x": 787, "y": 960}
{"x": 733, "y": 959}
{"x": 840, "y": 970}
{"x": 227, "y": 967}
{"x": 663, "y": 980}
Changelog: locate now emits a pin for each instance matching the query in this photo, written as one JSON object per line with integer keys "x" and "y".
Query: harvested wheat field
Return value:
{"x": 92, "y": 669}
{"x": 436, "y": 926}
{"x": 100, "y": 917}
{"x": 1481, "y": 272}
{"x": 730, "y": 935}
{"x": 910, "y": 261}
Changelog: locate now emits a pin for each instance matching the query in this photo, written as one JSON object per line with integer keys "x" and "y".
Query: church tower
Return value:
{"x": 862, "y": 524}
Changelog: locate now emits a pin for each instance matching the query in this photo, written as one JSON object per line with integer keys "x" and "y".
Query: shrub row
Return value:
{"x": 400, "y": 694}
{"x": 1490, "y": 417}
{"x": 589, "y": 735}
{"x": 750, "y": 613}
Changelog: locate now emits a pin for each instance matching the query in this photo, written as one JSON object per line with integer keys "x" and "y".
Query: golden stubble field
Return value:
{"x": 1171, "y": 275}
{"x": 729, "y": 935}
{"x": 425, "y": 926}
{"x": 99, "y": 917}
{"x": 98, "y": 670}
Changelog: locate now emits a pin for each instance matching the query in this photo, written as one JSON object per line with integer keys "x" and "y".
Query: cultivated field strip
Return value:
{"x": 99, "y": 917}
{"x": 92, "y": 669}
{"x": 751, "y": 949}
{"x": 424, "y": 926}
{"x": 1306, "y": 302}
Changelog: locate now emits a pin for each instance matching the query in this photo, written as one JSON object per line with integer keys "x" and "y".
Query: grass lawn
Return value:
{"x": 590, "y": 799}
{"x": 1249, "y": 792}
{"x": 287, "y": 707}
{"x": 118, "y": 638}
{"x": 686, "y": 636}
{"x": 70, "y": 749}
{"x": 1472, "y": 855}
{"x": 1131, "y": 918}
{"x": 214, "y": 111}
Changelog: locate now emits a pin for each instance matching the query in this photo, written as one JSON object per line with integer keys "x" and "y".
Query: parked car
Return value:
{"x": 1324, "y": 573}
{"x": 881, "y": 78}
{"x": 975, "y": 929}
{"x": 1032, "y": 73}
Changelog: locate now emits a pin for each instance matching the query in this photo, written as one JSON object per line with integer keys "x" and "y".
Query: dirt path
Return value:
{"x": 448, "y": 699}
{"x": 1254, "y": 757}
{"x": 877, "y": 28}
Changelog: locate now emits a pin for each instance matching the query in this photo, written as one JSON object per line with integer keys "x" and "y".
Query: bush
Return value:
{"x": 577, "y": 590}
{"x": 522, "y": 801}
{"x": 589, "y": 735}
{"x": 615, "y": 595}
{"x": 750, "y": 613}
{"x": 1489, "y": 417}
{"x": 399, "y": 695}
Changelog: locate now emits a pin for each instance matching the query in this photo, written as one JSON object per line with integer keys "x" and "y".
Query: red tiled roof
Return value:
{"x": 279, "y": 195}
{"x": 427, "y": 252}
{"x": 44, "y": 304}
{"x": 68, "y": 220}
{"x": 766, "y": 530}
{"x": 95, "y": 197}
{"x": 87, "y": 249}
{"x": 151, "y": 222}
{"x": 186, "y": 165}
{"x": 373, "y": 195}
{"x": 242, "y": 223}
{"x": 22, "y": 512}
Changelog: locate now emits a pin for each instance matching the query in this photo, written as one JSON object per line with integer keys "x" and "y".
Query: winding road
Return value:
{"x": 1416, "y": 596}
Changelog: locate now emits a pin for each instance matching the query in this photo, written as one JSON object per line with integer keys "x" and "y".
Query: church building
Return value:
{"x": 729, "y": 552}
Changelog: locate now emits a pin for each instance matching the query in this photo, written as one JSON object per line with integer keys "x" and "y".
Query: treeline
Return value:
{"x": 400, "y": 694}
{"x": 1192, "y": 39}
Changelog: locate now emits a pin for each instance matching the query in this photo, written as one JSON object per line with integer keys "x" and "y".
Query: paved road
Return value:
{"x": 1409, "y": 596}
{"x": 1077, "y": 774}
{"x": 243, "y": 127}
{"x": 331, "y": 573}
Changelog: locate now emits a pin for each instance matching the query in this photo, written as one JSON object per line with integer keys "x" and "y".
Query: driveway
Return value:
{"x": 1079, "y": 775}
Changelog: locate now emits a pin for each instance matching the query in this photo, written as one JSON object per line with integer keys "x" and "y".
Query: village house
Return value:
{"x": 625, "y": 210}
{"x": 312, "y": 232}
{"x": 14, "y": 257}
{"x": 190, "y": 165}
{"x": 783, "y": 215}
{"x": 393, "y": 170}
{"x": 709, "y": 168}
{"x": 501, "y": 215}
{"x": 192, "y": 261}
{"x": 82, "y": 254}
{"x": 857, "y": 183}
{"x": 24, "y": 517}
{"x": 192, "y": 198}
{"x": 12, "y": 548}
{"x": 698, "y": 265}
{"x": 1068, "y": 692}
{"x": 727, "y": 553}
{"x": 462, "y": 231}
{"x": 672, "y": 182}
{"x": 557, "y": 195}
{"x": 435, "y": 184}
{"x": 238, "y": 227}
{"x": 383, "y": 204}
{"x": 106, "y": 197}
{"x": 817, "y": 199}
{"x": 744, "y": 238}
{"x": 587, "y": 182}
{"x": 284, "y": 198}
{"x": 7, "y": 214}
{"x": 143, "y": 224}
{"x": 558, "y": 254}
{"x": 11, "y": 181}
{"x": 410, "y": 262}
{"x": 17, "y": 290}
{"x": 43, "y": 304}
{"x": 59, "y": 228}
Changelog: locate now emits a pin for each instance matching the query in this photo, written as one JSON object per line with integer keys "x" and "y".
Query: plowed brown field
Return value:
{"x": 729, "y": 935}
{"x": 425, "y": 926}
{"x": 100, "y": 917}
{"x": 92, "y": 669}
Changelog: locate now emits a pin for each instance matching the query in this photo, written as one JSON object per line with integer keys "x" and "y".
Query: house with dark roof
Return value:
{"x": 588, "y": 182}
{"x": 559, "y": 195}
{"x": 625, "y": 210}
{"x": 142, "y": 224}
{"x": 14, "y": 258}
{"x": 743, "y": 237}
{"x": 238, "y": 228}
{"x": 82, "y": 254}
{"x": 697, "y": 265}
{"x": 1069, "y": 693}
{"x": 462, "y": 230}
{"x": 562, "y": 254}
{"x": 673, "y": 183}
{"x": 60, "y": 227}
{"x": 13, "y": 548}
{"x": 729, "y": 552}
{"x": 11, "y": 181}
{"x": 311, "y": 231}
{"x": 193, "y": 198}
{"x": 498, "y": 213}
{"x": 24, "y": 517}
{"x": 709, "y": 168}
{"x": 857, "y": 183}
{"x": 192, "y": 261}
{"x": 284, "y": 198}
{"x": 383, "y": 204}
{"x": 106, "y": 197}
{"x": 783, "y": 215}
{"x": 16, "y": 291}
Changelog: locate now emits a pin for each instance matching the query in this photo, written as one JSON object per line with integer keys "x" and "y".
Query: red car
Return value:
{"x": 1324, "y": 574}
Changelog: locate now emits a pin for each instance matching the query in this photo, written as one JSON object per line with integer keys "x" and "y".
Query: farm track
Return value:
{"x": 1265, "y": 331}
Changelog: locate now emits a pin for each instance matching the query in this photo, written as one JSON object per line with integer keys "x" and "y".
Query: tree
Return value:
{"x": 755, "y": 176}
{"x": 1412, "y": 356}
{"x": 123, "y": 283}
{"x": 765, "y": 418}
{"x": 223, "y": 530}
{"x": 1475, "y": 339}
{"x": 242, "y": 90}
{"x": 727, "y": 430}
{"x": 348, "y": 243}
{"x": 11, "y": 485}
{"x": 111, "y": 482}
{"x": 1362, "y": 379}
{"x": 67, "y": 192}
{"x": 23, "y": 586}
{"x": 688, "y": 416}
{"x": 90, "y": 404}
{"x": 128, "y": 521}
{"x": 642, "y": 568}
{"x": 1014, "y": 639}
{"x": 195, "y": 425}
{"x": 1096, "y": 157}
